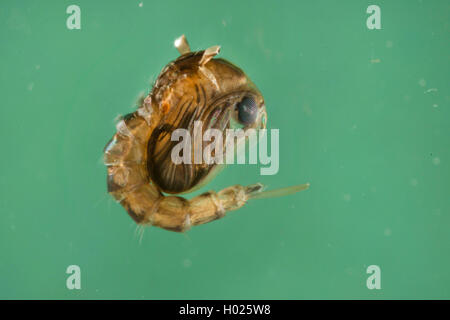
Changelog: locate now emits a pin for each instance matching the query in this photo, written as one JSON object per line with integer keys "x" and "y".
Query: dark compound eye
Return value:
{"x": 247, "y": 111}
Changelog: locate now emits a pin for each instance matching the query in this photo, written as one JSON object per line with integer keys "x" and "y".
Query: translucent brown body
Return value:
{"x": 194, "y": 87}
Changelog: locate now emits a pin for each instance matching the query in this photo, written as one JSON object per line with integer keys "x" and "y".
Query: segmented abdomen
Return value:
{"x": 125, "y": 156}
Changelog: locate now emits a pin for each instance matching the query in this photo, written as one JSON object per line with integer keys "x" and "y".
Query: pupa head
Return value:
{"x": 197, "y": 87}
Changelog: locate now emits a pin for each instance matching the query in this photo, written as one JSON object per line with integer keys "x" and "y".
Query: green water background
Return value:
{"x": 363, "y": 116}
